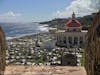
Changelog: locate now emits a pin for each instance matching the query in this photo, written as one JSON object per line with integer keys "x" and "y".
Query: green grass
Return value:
{"x": 83, "y": 58}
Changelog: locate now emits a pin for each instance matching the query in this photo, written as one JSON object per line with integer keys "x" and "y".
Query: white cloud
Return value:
{"x": 80, "y": 7}
{"x": 10, "y": 14}
{"x": 10, "y": 17}
{"x": 95, "y": 4}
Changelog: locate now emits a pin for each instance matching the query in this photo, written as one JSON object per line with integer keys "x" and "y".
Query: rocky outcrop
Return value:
{"x": 2, "y": 52}
{"x": 93, "y": 48}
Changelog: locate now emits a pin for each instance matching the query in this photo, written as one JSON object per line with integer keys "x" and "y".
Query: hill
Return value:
{"x": 86, "y": 21}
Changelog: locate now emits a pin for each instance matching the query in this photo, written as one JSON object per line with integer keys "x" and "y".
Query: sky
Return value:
{"x": 44, "y": 10}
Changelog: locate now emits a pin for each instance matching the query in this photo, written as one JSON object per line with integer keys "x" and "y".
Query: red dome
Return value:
{"x": 73, "y": 23}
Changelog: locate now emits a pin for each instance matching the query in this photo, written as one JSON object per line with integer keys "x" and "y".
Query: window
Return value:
{"x": 67, "y": 29}
{"x": 75, "y": 40}
{"x": 60, "y": 41}
{"x": 70, "y": 40}
{"x": 64, "y": 40}
{"x": 74, "y": 30}
{"x": 81, "y": 40}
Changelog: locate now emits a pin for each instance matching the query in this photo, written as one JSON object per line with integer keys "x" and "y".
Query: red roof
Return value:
{"x": 73, "y": 23}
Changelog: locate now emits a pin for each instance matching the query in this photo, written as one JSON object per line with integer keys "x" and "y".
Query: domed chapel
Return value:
{"x": 72, "y": 36}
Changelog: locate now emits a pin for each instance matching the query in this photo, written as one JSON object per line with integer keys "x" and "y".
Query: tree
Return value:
{"x": 2, "y": 52}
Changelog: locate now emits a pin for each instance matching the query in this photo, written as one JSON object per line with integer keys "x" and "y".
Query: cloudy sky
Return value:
{"x": 43, "y": 10}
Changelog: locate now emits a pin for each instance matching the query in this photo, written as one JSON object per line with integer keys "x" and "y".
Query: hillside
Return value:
{"x": 86, "y": 21}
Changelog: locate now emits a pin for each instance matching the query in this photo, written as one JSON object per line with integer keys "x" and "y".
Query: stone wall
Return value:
{"x": 2, "y": 52}
{"x": 93, "y": 48}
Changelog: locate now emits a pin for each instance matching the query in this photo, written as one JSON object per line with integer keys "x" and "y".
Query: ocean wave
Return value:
{"x": 25, "y": 30}
{"x": 43, "y": 28}
{"x": 8, "y": 38}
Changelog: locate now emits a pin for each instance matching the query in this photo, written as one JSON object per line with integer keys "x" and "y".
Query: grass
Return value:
{"x": 83, "y": 58}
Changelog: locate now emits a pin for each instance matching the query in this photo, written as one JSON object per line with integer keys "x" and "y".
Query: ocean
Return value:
{"x": 13, "y": 30}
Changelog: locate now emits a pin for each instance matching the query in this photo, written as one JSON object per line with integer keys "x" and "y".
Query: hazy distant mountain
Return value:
{"x": 86, "y": 21}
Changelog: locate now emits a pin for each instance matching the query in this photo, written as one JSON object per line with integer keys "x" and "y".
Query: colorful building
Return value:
{"x": 72, "y": 36}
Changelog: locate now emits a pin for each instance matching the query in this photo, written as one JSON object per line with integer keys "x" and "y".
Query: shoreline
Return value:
{"x": 43, "y": 29}
{"x": 25, "y": 35}
{"x": 20, "y": 30}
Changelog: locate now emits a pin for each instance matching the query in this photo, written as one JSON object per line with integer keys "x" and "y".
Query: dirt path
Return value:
{"x": 44, "y": 70}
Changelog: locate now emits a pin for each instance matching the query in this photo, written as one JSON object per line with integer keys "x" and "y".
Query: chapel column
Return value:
{"x": 72, "y": 40}
{"x": 67, "y": 42}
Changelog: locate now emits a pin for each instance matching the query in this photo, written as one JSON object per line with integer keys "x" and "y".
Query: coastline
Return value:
{"x": 42, "y": 29}
{"x": 25, "y": 35}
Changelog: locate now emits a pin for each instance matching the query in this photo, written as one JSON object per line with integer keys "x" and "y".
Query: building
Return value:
{"x": 2, "y": 52}
{"x": 72, "y": 36}
{"x": 92, "y": 53}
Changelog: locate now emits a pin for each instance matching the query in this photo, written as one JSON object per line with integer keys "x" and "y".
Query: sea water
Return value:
{"x": 13, "y": 30}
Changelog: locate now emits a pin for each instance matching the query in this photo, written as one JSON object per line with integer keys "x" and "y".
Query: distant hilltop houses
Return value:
{"x": 72, "y": 36}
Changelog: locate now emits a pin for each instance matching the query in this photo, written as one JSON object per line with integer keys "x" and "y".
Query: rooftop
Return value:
{"x": 73, "y": 22}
